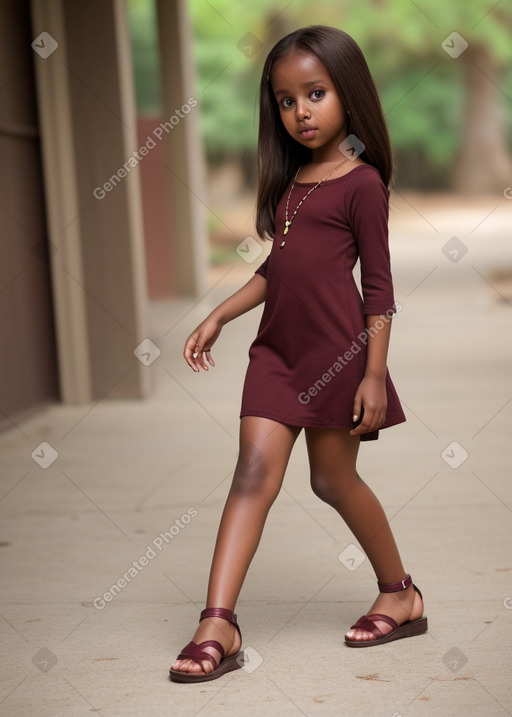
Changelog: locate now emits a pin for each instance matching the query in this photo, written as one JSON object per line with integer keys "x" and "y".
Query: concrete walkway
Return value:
{"x": 134, "y": 494}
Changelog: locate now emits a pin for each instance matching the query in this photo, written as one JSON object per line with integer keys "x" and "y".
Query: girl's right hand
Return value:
{"x": 197, "y": 346}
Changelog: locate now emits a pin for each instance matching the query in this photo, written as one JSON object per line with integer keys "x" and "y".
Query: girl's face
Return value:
{"x": 310, "y": 108}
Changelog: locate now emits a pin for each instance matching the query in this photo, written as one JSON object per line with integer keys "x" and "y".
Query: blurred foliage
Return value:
{"x": 222, "y": 255}
{"x": 144, "y": 37}
{"x": 422, "y": 88}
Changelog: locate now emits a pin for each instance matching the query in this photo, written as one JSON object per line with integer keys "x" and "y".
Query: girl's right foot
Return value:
{"x": 211, "y": 628}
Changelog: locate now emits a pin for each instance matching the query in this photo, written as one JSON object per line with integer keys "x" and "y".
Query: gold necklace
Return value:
{"x": 288, "y": 222}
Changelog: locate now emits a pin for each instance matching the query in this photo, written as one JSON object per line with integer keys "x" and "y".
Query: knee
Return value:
{"x": 322, "y": 488}
{"x": 331, "y": 489}
{"x": 250, "y": 476}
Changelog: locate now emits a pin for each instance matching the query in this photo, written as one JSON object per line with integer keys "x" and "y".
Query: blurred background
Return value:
{"x": 129, "y": 133}
{"x": 450, "y": 118}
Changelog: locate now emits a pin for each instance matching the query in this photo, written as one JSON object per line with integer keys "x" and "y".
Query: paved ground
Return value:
{"x": 127, "y": 472}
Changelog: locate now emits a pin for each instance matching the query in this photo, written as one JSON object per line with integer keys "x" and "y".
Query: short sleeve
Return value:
{"x": 262, "y": 269}
{"x": 367, "y": 206}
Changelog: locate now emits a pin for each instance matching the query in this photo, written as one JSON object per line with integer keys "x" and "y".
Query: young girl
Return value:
{"x": 319, "y": 359}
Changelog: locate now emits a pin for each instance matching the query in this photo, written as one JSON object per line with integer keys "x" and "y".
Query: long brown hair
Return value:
{"x": 279, "y": 155}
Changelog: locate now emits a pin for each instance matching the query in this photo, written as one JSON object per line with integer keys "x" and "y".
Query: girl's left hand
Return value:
{"x": 371, "y": 394}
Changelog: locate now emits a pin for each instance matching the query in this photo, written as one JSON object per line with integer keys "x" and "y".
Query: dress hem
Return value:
{"x": 370, "y": 435}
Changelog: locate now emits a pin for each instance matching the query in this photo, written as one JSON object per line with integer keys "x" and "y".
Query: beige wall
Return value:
{"x": 28, "y": 371}
{"x": 88, "y": 301}
{"x": 88, "y": 128}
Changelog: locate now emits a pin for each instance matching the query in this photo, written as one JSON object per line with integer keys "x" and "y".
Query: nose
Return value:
{"x": 302, "y": 111}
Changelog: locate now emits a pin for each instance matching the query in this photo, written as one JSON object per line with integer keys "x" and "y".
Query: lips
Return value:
{"x": 307, "y": 132}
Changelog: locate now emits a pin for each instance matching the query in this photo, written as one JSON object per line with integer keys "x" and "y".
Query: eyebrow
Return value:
{"x": 304, "y": 84}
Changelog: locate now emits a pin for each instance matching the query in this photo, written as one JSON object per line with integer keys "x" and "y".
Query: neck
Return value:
{"x": 328, "y": 154}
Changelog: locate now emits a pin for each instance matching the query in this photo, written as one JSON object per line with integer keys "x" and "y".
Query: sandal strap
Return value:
{"x": 194, "y": 652}
{"x": 384, "y": 618}
{"x": 222, "y": 612}
{"x": 228, "y": 615}
{"x": 368, "y": 626}
{"x": 367, "y": 623}
{"x": 395, "y": 587}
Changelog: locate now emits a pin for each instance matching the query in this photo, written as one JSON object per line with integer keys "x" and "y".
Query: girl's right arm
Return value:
{"x": 198, "y": 345}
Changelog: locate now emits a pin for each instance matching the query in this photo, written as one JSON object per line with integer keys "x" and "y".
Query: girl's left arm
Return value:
{"x": 367, "y": 206}
{"x": 371, "y": 392}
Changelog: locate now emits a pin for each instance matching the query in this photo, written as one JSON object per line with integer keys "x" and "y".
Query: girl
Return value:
{"x": 319, "y": 359}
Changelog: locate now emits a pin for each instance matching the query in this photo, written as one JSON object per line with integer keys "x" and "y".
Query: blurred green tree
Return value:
{"x": 444, "y": 73}
{"x": 448, "y": 106}
{"x": 144, "y": 38}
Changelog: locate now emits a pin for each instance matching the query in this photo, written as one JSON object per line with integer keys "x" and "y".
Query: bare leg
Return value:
{"x": 265, "y": 448}
{"x": 334, "y": 479}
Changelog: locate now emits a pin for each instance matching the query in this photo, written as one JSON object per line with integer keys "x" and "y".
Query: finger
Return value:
{"x": 209, "y": 357}
{"x": 361, "y": 428}
{"x": 382, "y": 418}
{"x": 365, "y": 417}
{"x": 188, "y": 353}
{"x": 192, "y": 353}
{"x": 199, "y": 357}
{"x": 357, "y": 408}
{"x": 371, "y": 421}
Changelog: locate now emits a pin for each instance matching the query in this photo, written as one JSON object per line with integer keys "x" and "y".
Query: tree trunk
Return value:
{"x": 484, "y": 164}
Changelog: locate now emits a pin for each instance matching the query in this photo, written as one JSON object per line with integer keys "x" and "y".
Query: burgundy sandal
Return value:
{"x": 406, "y": 629}
{"x": 194, "y": 652}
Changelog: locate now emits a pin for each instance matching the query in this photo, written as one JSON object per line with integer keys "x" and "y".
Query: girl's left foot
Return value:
{"x": 396, "y": 613}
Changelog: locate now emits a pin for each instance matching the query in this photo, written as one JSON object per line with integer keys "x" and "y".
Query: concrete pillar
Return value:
{"x": 185, "y": 163}
{"x": 89, "y": 133}
{"x": 62, "y": 205}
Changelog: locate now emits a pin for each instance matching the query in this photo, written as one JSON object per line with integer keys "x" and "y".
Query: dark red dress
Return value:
{"x": 309, "y": 355}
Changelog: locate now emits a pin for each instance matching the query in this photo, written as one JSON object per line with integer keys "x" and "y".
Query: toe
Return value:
{"x": 358, "y": 635}
{"x": 364, "y": 635}
{"x": 179, "y": 665}
{"x": 205, "y": 666}
{"x": 186, "y": 666}
{"x": 190, "y": 666}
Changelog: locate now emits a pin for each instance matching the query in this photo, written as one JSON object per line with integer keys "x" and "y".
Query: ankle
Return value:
{"x": 216, "y": 628}
{"x": 397, "y": 586}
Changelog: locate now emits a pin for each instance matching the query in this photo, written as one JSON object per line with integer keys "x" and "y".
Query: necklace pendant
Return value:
{"x": 289, "y": 221}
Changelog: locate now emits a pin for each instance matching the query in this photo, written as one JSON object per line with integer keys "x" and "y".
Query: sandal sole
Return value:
{"x": 408, "y": 629}
{"x": 228, "y": 664}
